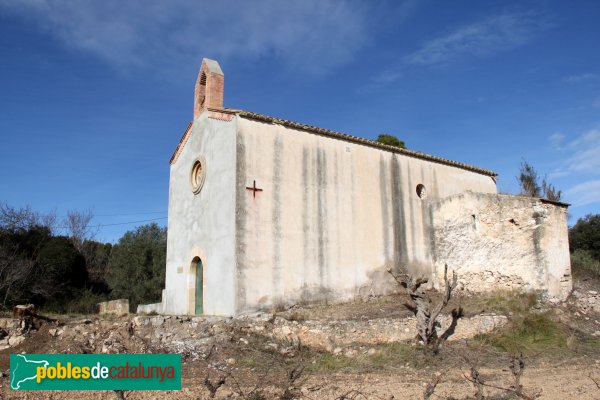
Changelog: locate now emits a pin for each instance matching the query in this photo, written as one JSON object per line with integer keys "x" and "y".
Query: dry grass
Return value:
{"x": 531, "y": 334}
{"x": 503, "y": 302}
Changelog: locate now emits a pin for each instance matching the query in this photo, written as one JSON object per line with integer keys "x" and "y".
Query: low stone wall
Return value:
{"x": 196, "y": 335}
{"x": 117, "y": 307}
{"x": 149, "y": 308}
{"x": 337, "y": 334}
{"x": 319, "y": 335}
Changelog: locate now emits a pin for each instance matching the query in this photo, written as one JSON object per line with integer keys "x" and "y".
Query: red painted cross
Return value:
{"x": 254, "y": 189}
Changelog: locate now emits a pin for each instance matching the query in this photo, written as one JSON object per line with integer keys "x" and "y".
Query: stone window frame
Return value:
{"x": 198, "y": 174}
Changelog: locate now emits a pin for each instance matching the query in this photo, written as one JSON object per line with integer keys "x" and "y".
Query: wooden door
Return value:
{"x": 199, "y": 286}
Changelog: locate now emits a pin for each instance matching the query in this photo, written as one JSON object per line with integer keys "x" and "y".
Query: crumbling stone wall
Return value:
{"x": 195, "y": 336}
{"x": 118, "y": 307}
{"x": 502, "y": 242}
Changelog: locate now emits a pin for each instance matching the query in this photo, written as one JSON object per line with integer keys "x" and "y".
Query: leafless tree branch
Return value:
{"x": 430, "y": 388}
{"x": 426, "y": 314}
{"x": 517, "y": 366}
{"x": 78, "y": 226}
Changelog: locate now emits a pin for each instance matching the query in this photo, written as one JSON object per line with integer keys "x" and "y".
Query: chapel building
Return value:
{"x": 265, "y": 212}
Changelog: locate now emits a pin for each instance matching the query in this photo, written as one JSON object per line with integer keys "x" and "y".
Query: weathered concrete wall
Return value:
{"x": 332, "y": 215}
{"x": 502, "y": 242}
{"x": 202, "y": 225}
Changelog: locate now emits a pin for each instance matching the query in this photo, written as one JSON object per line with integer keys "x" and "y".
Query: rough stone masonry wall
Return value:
{"x": 181, "y": 334}
{"x": 502, "y": 242}
{"x": 195, "y": 336}
{"x": 117, "y": 307}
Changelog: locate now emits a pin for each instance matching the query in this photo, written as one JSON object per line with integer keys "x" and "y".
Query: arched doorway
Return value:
{"x": 198, "y": 271}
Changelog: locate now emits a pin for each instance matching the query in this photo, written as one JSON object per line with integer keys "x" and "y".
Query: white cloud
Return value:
{"x": 387, "y": 76}
{"x": 556, "y": 140}
{"x": 558, "y": 173}
{"x": 579, "y": 160}
{"x": 484, "y": 38}
{"x": 586, "y": 76}
{"x": 583, "y": 153}
{"x": 586, "y": 157}
{"x": 585, "y": 193}
{"x": 310, "y": 35}
{"x": 591, "y": 137}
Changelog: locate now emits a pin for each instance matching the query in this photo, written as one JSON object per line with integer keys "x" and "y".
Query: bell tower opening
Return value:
{"x": 209, "y": 87}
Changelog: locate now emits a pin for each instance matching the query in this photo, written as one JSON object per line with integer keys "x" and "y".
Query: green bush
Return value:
{"x": 61, "y": 264}
{"x": 583, "y": 262}
{"x": 137, "y": 265}
{"x": 585, "y": 235}
{"x": 84, "y": 301}
{"x": 391, "y": 140}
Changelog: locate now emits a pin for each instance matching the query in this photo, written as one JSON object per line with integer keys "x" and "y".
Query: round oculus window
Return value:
{"x": 197, "y": 174}
{"x": 421, "y": 191}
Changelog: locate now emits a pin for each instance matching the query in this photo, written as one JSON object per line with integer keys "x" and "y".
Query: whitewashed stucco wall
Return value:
{"x": 333, "y": 215}
{"x": 203, "y": 225}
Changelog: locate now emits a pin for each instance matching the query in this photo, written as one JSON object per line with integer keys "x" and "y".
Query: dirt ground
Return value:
{"x": 552, "y": 382}
{"x": 562, "y": 360}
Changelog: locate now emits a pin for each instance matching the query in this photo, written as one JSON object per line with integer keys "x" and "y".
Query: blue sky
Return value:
{"x": 94, "y": 95}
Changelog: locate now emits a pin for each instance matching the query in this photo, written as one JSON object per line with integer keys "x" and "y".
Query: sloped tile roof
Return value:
{"x": 356, "y": 139}
{"x": 337, "y": 135}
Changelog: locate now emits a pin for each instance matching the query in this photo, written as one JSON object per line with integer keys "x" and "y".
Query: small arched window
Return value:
{"x": 421, "y": 191}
